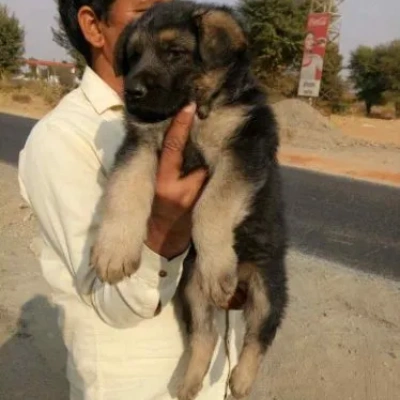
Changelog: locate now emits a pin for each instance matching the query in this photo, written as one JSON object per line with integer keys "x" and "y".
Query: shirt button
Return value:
{"x": 163, "y": 273}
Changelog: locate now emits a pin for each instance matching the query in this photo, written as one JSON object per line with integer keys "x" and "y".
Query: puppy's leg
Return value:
{"x": 222, "y": 206}
{"x": 198, "y": 314}
{"x": 263, "y": 314}
{"x": 127, "y": 207}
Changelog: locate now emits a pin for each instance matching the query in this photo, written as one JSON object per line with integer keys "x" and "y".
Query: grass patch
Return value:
{"x": 23, "y": 91}
{"x": 21, "y": 98}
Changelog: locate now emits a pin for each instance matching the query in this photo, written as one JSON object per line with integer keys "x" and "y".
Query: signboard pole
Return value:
{"x": 315, "y": 42}
{"x": 320, "y": 7}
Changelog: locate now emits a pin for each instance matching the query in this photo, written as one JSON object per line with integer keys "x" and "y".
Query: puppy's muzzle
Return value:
{"x": 141, "y": 85}
{"x": 137, "y": 90}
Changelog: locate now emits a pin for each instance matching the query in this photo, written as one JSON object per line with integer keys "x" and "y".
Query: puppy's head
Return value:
{"x": 175, "y": 53}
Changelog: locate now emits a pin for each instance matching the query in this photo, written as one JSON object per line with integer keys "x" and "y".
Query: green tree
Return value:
{"x": 389, "y": 63}
{"x": 276, "y": 29}
{"x": 368, "y": 77}
{"x": 11, "y": 42}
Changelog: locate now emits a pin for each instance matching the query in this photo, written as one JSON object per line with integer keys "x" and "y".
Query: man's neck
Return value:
{"x": 106, "y": 72}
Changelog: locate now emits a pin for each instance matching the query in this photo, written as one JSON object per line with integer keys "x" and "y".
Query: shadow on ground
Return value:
{"x": 13, "y": 134}
{"x": 33, "y": 360}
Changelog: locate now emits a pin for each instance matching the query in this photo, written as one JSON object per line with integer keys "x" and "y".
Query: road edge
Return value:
{"x": 317, "y": 163}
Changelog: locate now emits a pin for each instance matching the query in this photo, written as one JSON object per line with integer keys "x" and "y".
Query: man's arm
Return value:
{"x": 62, "y": 180}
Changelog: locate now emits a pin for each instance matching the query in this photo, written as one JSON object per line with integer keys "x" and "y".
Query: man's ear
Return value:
{"x": 121, "y": 64}
{"x": 89, "y": 24}
{"x": 221, "y": 37}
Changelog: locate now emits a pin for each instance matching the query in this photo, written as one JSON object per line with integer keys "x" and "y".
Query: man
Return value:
{"x": 123, "y": 341}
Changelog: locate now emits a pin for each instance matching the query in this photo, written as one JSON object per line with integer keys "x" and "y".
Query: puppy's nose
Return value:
{"x": 138, "y": 90}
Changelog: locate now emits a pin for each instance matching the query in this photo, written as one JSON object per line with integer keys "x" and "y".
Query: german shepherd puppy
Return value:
{"x": 179, "y": 52}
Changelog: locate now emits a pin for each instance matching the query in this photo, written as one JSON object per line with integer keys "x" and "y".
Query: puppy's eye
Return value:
{"x": 134, "y": 56}
{"x": 174, "y": 53}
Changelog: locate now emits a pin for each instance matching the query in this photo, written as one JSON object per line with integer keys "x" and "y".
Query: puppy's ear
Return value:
{"x": 121, "y": 65}
{"x": 221, "y": 38}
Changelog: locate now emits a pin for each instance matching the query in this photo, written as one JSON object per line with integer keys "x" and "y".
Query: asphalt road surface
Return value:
{"x": 348, "y": 221}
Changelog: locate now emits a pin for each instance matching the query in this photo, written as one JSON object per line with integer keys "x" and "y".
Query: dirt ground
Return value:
{"x": 36, "y": 107}
{"x": 376, "y": 159}
{"x": 340, "y": 340}
{"x": 379, "y": 166}
{"x": 352, "y": 146}
{"x": 372, "y": 129}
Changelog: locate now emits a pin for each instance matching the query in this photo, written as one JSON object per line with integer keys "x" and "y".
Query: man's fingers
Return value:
{"x": 197, "y": 178}
{"x": 175, "y": 141}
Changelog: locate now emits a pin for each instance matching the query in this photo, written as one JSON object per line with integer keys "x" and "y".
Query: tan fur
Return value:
{"x": 246, "y": 272}
{"x": 177, "y": 37}
{"x": 169, "y": 35}
{"x": 127, "y": 206}
{"x": 213, "y": 230}
{"x": 210, "y": 81}
{"x": 207, "y": 85}
{"x": 213, "y": 221}
{"x": 245, "y": 373}
{"x": 202, "y": 348}
{"x": 251, "y": 356}
{"x": 201, "y": 344}
{"x": 219, "y": 20}
{"x": 212, "y": 134}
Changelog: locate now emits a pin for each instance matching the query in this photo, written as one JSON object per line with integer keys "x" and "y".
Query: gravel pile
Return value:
{"x": 301, "y": 125}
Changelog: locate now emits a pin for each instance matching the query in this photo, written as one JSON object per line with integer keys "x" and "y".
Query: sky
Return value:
{"x": 368, "y": 22}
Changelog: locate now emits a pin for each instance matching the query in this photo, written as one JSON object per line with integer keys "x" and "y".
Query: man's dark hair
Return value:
{"x": 68, "y": 10}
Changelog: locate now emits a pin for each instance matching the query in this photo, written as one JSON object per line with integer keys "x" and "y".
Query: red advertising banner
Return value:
{"x": 313, "y": 55}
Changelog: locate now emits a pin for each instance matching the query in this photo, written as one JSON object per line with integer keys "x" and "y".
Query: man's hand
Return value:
{"x": 169, "y": 230}
{"x": 170, "y": 227}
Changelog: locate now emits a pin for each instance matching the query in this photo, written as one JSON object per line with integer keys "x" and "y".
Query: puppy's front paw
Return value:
{"x": 221, "y": 288}
{"x": 115, "y": 254}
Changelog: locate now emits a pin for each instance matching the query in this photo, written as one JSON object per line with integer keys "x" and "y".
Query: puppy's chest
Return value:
{"x": 211, "y": 135}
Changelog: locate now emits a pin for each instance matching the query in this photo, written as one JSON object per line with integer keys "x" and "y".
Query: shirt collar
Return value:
{"x": 100, "y": 95}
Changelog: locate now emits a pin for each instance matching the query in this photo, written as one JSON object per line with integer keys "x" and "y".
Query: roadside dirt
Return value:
{"x": 381, "y": 166}
{"x": 351, "y": 146}
{"x": 36, "y": 107}
{"x": 375, "y": 130}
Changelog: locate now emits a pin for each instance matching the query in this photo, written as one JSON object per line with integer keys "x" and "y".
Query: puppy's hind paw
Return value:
{"x": 241, "y": 383}
{"x": 189, "y": 392}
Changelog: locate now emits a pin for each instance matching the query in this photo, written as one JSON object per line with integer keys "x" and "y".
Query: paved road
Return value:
{"x": 348, "y": 221}
{"x": 352, "y": 222}
{"x": 13, "y": 134}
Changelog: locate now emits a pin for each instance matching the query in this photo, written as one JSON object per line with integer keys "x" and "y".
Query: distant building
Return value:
{"x": 51, "y": 71}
